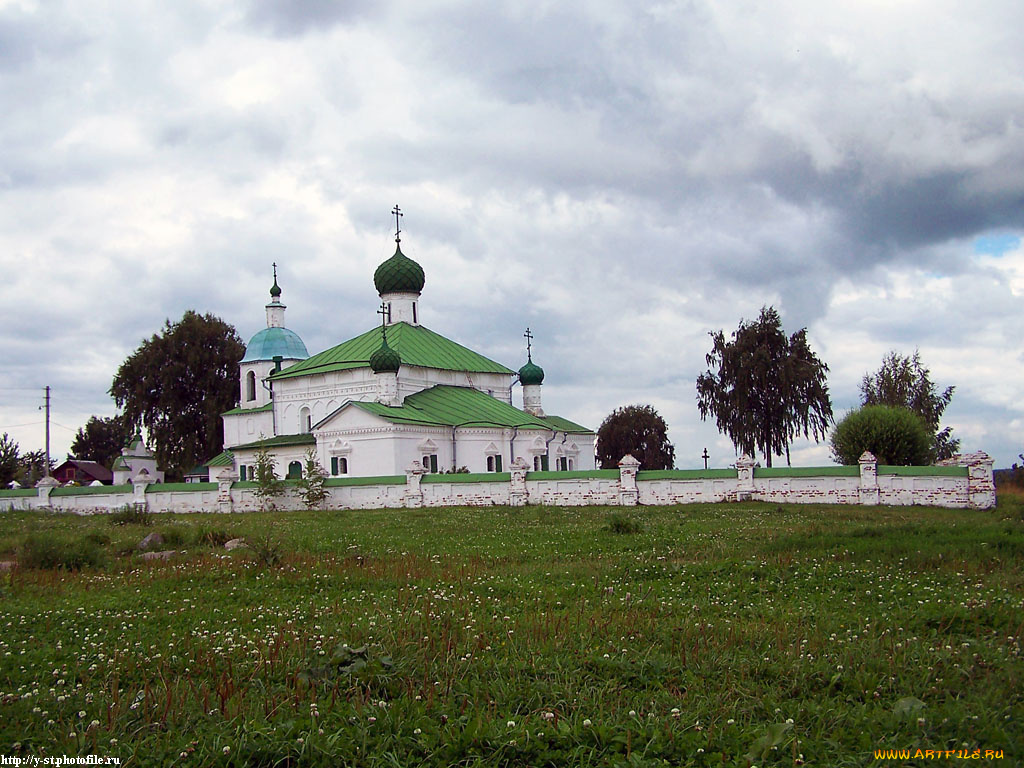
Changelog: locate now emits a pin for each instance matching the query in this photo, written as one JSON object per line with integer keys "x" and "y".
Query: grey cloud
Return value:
{"x": 288, "y": 18}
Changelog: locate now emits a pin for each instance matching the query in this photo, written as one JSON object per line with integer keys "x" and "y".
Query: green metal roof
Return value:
{"x": 271, "y": 342}
{"x": 399, "y": 273}
{"x": 281, "y": 440}
{"x": 448, "y": 406}
{"x": 559, "y": 424}
{"x": 222, "y": 459}
{"x": 238, "y": 411}
{"x": 120, "y": 463}
{"x": 415, "y": 344}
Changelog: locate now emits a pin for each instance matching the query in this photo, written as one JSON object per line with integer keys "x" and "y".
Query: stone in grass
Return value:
{"x": 8, "y": 565}
{"x": 167, "y": 554}
{"x": 235, "y": 544}
{"x": 151, "y": 541}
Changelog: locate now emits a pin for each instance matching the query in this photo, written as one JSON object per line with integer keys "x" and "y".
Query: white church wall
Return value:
{"x": 247, "y": 427}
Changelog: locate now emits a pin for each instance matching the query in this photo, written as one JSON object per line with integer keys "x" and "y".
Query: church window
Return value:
{"x": 339, "y": 465}
{"x": 430, "y": 462}
{"x": 536, "y": 463}
{"x": 544, "y": 465}
{"x": 334, "y": 465}
{"x": 294, "y": 470}
{"x": 250, "y": 386}
{"x": 242, "y": 470}
{"x": 305, "y": 420}
{"x": 490, "y": 463}
{"x": 563, "y": 464}
{"x": 494, "y": 463}
{"x": 414, "y": 321}
{"x": 570, "y": 466}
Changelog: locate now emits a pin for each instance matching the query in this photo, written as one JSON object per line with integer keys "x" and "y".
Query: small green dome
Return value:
{"x": 531, "y": 373}
{"x": 399, "y": 274}
{"x": 275, "y": 289}
{"x": 385, "y": 359}
{"x": 271, "y": 342}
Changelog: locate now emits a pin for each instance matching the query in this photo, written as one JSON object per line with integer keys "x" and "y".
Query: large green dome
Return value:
{"x": 531, "y": 373}
{"x": 385, "y": 360}
{"x": 270, "y": 342}
{"x": 399, "y": 274}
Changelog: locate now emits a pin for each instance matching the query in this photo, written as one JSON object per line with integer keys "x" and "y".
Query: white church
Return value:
{"x": 396, "y": 394}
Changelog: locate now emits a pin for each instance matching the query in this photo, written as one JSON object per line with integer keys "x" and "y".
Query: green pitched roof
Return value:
{"x": 415, "y": 344}
{"x": 459, "y": 406}
{"x": 222, "y": 459}
{"x": 237, "y": 411}
{"x": 559, "y": 424}
{"x": 305, "y": 438}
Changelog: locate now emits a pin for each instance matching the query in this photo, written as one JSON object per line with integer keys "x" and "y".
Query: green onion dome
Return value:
{"x": 275, "y": 289}
{"x": 385, "y": 359}
{"x": 531, "y": 373}
{"x": 399, "y": 274}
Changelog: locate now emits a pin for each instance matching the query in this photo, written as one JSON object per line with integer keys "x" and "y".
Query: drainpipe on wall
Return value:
{"x": 547, "y": 447}
{"x": 454, "y": 462}
{"x": 512, "y": 447}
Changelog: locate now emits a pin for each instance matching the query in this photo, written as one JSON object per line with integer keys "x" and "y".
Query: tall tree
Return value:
{"x": 101, "y": 439}
{"x": 904, "y": 382}
{"x": 765, "y": 389}
{"x": 638, "y": 430}
{"x": 177, "y": 384}
{"x": 8, "y": 460}
{"x": 31, "y": 467}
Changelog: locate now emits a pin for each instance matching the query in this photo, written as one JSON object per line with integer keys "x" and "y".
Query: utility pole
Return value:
{"x": 46, "y": 465}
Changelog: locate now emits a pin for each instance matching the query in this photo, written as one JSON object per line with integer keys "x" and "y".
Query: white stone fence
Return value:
{"x": 965, "y": 481}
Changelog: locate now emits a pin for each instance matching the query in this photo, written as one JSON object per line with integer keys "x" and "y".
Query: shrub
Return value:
{"x": 131, "y": 514}
{"x": 619, "y": 523}
{"x": 212, "y": 537}
{"x": 896, "y": 436}
{"x": 267, "y": 551}
{"x": 174, "y": 537}
{"x": 57, "y": 553}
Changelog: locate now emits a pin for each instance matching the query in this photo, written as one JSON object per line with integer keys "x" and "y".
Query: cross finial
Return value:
{"x": 398, "y": 227}
{"x": 275, "y": 271}
{"x": 385, "y": 318}
{"x": 529, "y": 340}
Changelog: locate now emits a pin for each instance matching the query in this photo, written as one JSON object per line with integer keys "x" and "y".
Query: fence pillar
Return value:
{"x": 139, "y": 483}
{"x": 43, "y": 488}
{"x": 744, "y": 478}
{"x": 413, "y": 491}
{"x": 629, "y": 496}
{"x": 981, "y": 487}
{"x": 518, "y": 495}
{"x": 224, "y": 479}
{"x": 869, "y": 493}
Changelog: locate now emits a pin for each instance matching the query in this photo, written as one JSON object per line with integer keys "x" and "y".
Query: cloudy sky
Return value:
{"x": 622, "y": 177}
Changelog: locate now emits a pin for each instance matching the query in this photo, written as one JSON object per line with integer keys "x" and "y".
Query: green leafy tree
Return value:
{"x": 765, "y": 389}
{"x": 638, "y": 430}
{"x": 177, "y": 384}
{"x": 312, "y": 484}
{"x": 31, "y": 467}
{"x": 895, "y": 435}
{"x": 269, "y": 487}
{"x": 101, "y": 439}
{"x": 903, "y": 381}
{"x": 8, "y": 460}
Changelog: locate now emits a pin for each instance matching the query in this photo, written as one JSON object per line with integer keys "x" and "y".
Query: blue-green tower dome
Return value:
{"x": 399, "y": 274}
{"x": 271, "y": 342}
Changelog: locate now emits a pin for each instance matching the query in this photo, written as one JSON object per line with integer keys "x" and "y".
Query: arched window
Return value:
{"x": 339, "y": 465}
{"x": 570, "y": 467}
{"x": 295, "y": 470}
{"x": 536, "y": 463}
{"x": 490, "y": 463}
{"x": 305, "y": 420}
{"x": 250, "y": 386}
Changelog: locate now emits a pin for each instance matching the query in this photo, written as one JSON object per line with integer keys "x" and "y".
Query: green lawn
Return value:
{"x": 731, "y": 634}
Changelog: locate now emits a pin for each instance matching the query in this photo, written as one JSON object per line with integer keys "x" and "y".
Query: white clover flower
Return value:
{"x": 587, "y": 723}
{"x": 511, "y": 724}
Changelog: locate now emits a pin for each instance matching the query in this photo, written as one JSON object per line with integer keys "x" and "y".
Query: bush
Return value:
{"x": 131, "y": 514}
{"x": 211, "y": 537}
{"x": 56, "y": 553}
{"x": 174, "y": 537}
{"x": 619, "y": 523}
{"x": 896, "y": 436}
{"x": 267, "y": 551}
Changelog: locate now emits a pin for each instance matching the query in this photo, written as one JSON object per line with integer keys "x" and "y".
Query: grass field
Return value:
{"x": 742, "y": 634}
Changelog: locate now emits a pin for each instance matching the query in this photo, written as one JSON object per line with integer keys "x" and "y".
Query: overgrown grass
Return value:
{"x": 711, "y": 635}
